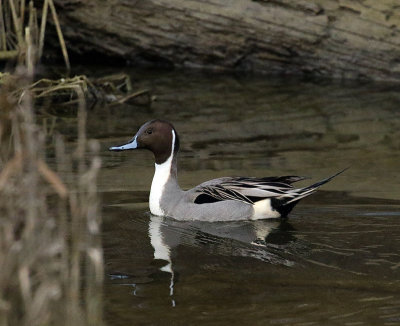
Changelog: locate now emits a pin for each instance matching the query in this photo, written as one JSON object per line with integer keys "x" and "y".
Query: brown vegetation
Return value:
{"x": 19, "y": 30}
{"x": 51, "y": 261}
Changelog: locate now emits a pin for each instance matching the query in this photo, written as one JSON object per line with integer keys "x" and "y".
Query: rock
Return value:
{"x": 332, "y": 38}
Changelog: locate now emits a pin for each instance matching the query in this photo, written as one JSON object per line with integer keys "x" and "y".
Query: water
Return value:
{"x": 335, "y": 261}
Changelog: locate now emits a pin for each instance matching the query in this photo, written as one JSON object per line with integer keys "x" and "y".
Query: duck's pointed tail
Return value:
{"x": 306, "y": 191}
{"x": 291, "y": 198}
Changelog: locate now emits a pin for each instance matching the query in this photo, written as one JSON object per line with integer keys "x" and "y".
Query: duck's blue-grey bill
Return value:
{"x": 130, "y": 145}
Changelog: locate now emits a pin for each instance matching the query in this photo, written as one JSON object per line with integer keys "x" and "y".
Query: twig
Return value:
{"x": 29, "y": 57}
{"x": 3, "y": 42}
{"x": 35, "y": 27}
{"x": 32, "y": 23}
{"x": 60, "y": 87}
{"x": 44, "y": 80}
{"x": 10, "y": 168}
{"x": 53, "y": 179}
{"x": 22, "y": 14}
{"x": 8, "y": 54}
{"x": 17, "y": 26}
{"x": 60, "y": 35}
{"x": 131, "y": 96}
{"x": 43, "y": 27}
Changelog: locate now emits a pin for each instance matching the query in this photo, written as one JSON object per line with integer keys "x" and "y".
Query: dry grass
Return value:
{"x": 19, "y": 29}
{"x": 51, "y": 260}
{"x": 114, "y": 89}
{"x": 51, "y": 265}
{"x": 23, "y": 39}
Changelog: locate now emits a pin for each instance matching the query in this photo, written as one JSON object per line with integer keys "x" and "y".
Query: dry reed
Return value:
{"x": 115, "y": 89}
{"x": 51, "y": 262}
{"x": 21, "y": 37}
{"x": 18, "y": 30}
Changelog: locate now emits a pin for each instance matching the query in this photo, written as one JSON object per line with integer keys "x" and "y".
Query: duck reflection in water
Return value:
{"x": 265, "y": 240}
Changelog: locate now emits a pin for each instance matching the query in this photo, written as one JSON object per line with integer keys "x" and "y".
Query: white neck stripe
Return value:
{"x": 160, "y": 178}
{"x": 173, "y": 142}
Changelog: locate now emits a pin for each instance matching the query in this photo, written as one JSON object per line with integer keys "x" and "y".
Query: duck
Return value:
{"x": 222, "y": 199}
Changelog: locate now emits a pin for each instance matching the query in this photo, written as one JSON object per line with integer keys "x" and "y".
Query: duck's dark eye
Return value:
{"x": 149, "y": 131}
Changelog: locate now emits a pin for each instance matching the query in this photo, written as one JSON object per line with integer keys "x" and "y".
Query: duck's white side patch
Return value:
{"x": 160, "y": 178}
{"x": 263, "y": 209}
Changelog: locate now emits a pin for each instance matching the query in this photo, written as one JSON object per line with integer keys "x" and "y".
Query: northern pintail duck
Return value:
{"x": 222, "y": 199}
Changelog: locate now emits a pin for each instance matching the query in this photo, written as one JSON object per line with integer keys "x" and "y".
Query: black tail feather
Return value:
{"x": 283, "y": 208}
{"x": 326, "y": 180}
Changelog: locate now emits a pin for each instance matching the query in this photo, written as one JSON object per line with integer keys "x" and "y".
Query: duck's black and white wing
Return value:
{"x": 251, "y": 190}
{"x": 245, "y": 189}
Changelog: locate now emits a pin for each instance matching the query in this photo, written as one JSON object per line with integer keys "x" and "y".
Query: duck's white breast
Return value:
{"x": 160, "y": 178}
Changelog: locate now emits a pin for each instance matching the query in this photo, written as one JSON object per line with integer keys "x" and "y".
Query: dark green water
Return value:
{"x": 335, "y": 261}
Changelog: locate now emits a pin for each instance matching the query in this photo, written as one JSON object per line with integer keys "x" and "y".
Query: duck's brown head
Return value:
{"x": 158, "y": 136}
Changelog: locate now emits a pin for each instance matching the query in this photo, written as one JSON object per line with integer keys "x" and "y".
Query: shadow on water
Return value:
{"x": 267, "y": 241}
{"x": 240, "y": 239}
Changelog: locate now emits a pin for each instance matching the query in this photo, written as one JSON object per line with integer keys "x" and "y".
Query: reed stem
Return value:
{"x": 3, "y": 41}
{"x": 43, "y": 27}
{"x": 60, "y": 35}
